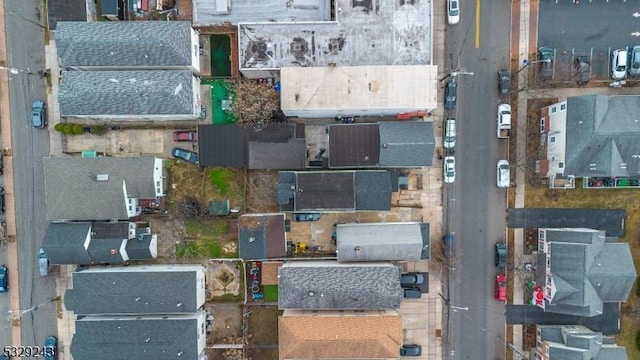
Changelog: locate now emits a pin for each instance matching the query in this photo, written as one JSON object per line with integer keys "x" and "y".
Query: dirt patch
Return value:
{"x": 262, "y": 325}
{"x": 265, "y": 353}
{"x": 224, "y": 280}
{"x": 262, "y": 189}
{"x": 227, "y": 326}
{"x": 191, "y": 185}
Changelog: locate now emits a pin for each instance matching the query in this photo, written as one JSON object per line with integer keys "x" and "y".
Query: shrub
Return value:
{"x": 67, "y": 129}
{"x": 77, "y": 129}
{"x": 59, "y": 127}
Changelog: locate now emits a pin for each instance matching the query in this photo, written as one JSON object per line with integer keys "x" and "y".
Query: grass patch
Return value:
{"x": 220, "y": 178}
{"x": 206, "y": 238}
{"x": 230, "y": 297}
{"x": 270, "y": 293}
{"x": 199, "y": 249}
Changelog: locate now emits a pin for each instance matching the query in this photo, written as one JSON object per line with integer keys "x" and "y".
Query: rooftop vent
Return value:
{"x": 102, "y": 177}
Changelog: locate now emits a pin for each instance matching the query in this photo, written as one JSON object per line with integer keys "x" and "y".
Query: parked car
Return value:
{"x": 411, "y": 279}
{"x": 449, "y": 169}
{"x": 412, "y": 293}
{"x": 450, "y": 94}
{"x": 3, "y": 206}
{"x": 504, "y": 82}
{"x": 501, "y": 287}
{"x": 411, "y": 350}
{"x": 4, "y": 278}
{"x": 43, "y": 263}
{"x": 185, "y": 136}
{"x": 453, "y": 12}
{"x": 449, "y": 134}
{"x": 39, "y": 114}
{"x": 501, "y": 255}
{"x": 306, "y": 216}
{"x": 1, "y": 164}
{"x": 503, "y": 174}
{"x": 545, "y": 58}
{"x": 185, "y": 155}
{"x": 449, "y": 246}
{"x": 634, "y": 69}
{"x": 619, "y": 64}
{"x": 50, "y": 348}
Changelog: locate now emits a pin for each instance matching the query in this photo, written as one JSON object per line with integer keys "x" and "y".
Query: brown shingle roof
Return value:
{"x": 340, "y": 337}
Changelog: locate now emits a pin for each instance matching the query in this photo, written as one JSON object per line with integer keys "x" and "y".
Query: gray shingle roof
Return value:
{"x": 290, "y": 155}
{"x": 579, "y": 343}
{"x": 262, "y": 236}
{"x": 406, "y": 144}
{"x": 143, "y": 247}
{"x": 157, "y": 338}
{"x": 382, "y": 241}
{"x": 373, "y": 190}
{"x": 127, "y": 93}
{"x": 354, "y": 145}
{"x": 64, "y": 243}
{"x": 325, "y": 285}
{"x": 72, "y": 193}
{"x": 587, "y": 271}
{"x": 602, "y": 136}
{"x": 108, "y": 251}
{"x": 143, "y": 44}
{"x": 135, "y": 290}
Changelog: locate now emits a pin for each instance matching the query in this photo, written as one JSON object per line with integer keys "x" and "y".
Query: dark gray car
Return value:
{"x": 450, "y": 94}
{"x": 504, "y": 82}
{"x": 411, "y": 350}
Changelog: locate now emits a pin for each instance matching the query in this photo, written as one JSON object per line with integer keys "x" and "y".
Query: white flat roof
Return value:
{"x": 359, "y": 88}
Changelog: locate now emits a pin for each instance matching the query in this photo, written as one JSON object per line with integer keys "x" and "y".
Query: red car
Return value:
{"x": 185, "y": 136}
{"x": 501, "y": 287}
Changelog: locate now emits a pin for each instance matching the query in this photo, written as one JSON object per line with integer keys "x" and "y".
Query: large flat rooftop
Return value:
{"x": 207, "y": 12}
{"x": 366, "y": 32}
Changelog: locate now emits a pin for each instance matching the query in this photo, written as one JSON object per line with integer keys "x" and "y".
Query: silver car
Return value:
{"x": 449, "y": 169}
{"x": 503, "y": 174}
{"x": 449, "y": 134}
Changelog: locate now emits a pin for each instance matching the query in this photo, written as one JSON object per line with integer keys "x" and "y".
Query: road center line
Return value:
{"x": 477, "y": 24}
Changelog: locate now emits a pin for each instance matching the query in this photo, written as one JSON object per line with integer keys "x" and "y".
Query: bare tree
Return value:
{"x": 254, "y": 102}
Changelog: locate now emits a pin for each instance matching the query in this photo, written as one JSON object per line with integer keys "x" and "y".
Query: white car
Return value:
{"x": 449, "y": 134}
{"x": 619, "y": 64}
{"x": 453, "y": 11}
{"x": 503, "y": 174}
{"x": 449, "y": 169}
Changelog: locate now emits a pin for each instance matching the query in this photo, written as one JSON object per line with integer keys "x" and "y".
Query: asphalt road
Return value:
{"x": 476, "y": 207}
{"x": 25, "y": 48}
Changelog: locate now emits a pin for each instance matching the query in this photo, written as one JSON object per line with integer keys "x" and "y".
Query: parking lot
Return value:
{"x": 581, "y": 30}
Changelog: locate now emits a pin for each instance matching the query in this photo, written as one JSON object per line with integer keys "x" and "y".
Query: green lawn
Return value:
{"x": 270, "y": 293}
{"x": 220, "y": 90}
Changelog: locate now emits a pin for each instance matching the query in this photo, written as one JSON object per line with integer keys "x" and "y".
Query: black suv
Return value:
{"x": 504, "y": 82}
{"x": 2, "y": 203}
{"x": 450, "y": 94}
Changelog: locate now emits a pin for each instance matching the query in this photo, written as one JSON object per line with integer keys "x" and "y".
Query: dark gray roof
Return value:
{"x": 610, "y": 220}
{"x": 576, "y": 342}
{"x": 150, "y": 338}
{"x": 335, "y": 190}
{"x": 382, "y": 241}
{"x": 262, "y": 236}
{"x": 143, "y": 247}
{"x": 326, "y": 285}
{"x": 406, "y": 144}
{"x": 127, "y": 93}
{"x": 72, "y": 192}
{"x": 110, "y": 230}
{"x": 108, "y": 251}
{"x": 64, "y": 243}
{"x": 276, "y": 146}
{"x": 587, "y": 271}
{"x": 66, "y": 10}
{"x": 113, "y": 44}
{"x": 602, "y": 136}
{"x": 354, "y": 145}
{"x": 135, "y": 290}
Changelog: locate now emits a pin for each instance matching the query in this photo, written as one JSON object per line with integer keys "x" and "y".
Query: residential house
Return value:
{"x": 225, "y": 12}
{"x": 70, "y": 10}
{"x": 137, "y": 290}
{"x": 262, "y": 236}
{"x": 568, "y": 342}
{"x": 130, "y": 95}
{"x": 85, "y": 243}
{"x": 382, "y": 241}
{"x": 329, "y": 285}
{"x": 166, "y": 337}
{"x": 339, "y": 335}
{"x": 276, "y": 146}
{"x": 127, "y": 45}
{"x": 364, "y": 33}
{"x": 591, "y": 136}
{"x": 578, "y": 271}
{"x": 387, "y": 144}
{"x": 336, "y": 190}
{"x": 102, "y": 188}
{"x": 317, "y": 92}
